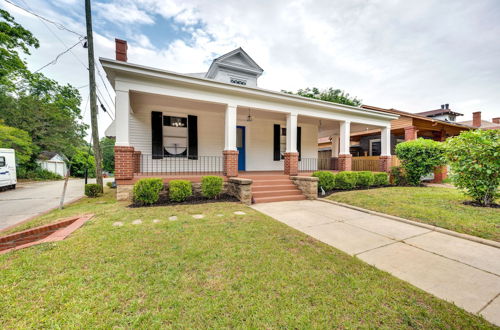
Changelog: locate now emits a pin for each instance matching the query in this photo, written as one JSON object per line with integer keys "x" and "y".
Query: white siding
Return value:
{"x": 259, "y": 140}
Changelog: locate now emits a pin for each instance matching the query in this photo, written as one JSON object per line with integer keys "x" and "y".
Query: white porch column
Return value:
{"x": 385, "y": 141}
{"x": 230, "y": 128}
{"x": 345, "y": 137}
{"x": 335, "y": 145}
{"x": 291, "y": 132}
{"x": 122, "y": 115}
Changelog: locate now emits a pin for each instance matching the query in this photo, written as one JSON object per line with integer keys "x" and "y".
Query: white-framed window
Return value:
{"x": 2, "y": 161}
{"x": 375, "y": 147}
{"x": 238, "y": 81}
{"x": 175, "y": 136}
{"x": 283, "y": 142}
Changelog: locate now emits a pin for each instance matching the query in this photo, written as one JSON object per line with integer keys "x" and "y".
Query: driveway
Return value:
{"x": 34, "y": 198}
{"x": 455, "y": 269}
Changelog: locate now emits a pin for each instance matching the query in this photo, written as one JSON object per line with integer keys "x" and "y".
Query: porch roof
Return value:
{"x": 114, "y": 68}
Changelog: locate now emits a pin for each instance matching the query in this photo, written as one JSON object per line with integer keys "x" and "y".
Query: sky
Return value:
{"x": 408, "y": 55}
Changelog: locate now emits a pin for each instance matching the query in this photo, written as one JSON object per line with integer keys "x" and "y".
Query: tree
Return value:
{"x": 108, "y": 154}
{"x": 419, "y": 158}
{"x": 81, "y": 161}
{"x": 330, "y": 95}
{"x": 474, "y": 158}
{"x": 13, "y": 37}
{"x": 19, "y": 140}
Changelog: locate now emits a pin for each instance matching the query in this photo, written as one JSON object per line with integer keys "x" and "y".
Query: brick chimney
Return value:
{"x": 496, "y": 120}
{"x": 121, "y": 50}
{"x": 476, "y": 119}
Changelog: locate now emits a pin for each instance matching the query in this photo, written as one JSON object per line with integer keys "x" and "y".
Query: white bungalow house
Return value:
{"x": 172, "y": 125}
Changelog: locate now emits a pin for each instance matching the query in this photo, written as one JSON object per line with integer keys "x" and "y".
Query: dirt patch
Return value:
{"x": 472, "y": 203}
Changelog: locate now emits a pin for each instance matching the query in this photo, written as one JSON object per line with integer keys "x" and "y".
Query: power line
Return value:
{"x": 58, "y": 25}
{"x": 106, "y": 103}
{"x": 54, "y": 61}
{"x": 57, "y": 37}
{"x": 104, "y": 83}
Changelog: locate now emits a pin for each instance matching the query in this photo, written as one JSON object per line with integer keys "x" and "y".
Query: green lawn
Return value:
{"x": 442, "y": 207}
{"x": 233, "y": 271}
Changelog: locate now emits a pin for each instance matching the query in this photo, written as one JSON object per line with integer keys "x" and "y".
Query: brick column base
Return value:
{"x": 440, "y": 173}
{"x": 124, "y": 163}
{"x": 410, "y": 133}
{"x": 385, "y": 163}
{"x": 137, "y": 161}
{"x": 230, "y": 162}
{"x": 291, "y": 163}
{"x": 345, "y": 162}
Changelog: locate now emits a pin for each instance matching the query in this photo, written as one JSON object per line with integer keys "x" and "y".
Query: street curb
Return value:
{"x": 39, "y": 214}
{"x": 418, "y": 224}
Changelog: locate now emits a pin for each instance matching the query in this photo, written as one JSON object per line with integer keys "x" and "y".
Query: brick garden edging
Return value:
{"x": 418, "y": 224}
{"x": 43, "y": 234}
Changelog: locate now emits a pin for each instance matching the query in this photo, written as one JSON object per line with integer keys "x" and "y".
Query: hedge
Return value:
{"x": 346, "y": 180}
{"x": 179, "y": 190}
{"x": 93, "y": 190}
{"x": 380, "y": 179}
{"x": 364, "y": 179}
{"x": 211, "y": 186}
{"x": 326, "y": 179}
{"x": 147, "y": 191}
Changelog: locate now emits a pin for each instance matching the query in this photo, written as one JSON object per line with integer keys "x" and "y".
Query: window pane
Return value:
{"x": 239, "y": 137}
{"x": 376, "y": 148}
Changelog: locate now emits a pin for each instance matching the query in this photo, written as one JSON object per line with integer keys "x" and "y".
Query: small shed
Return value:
{"x": 53, "y": 162}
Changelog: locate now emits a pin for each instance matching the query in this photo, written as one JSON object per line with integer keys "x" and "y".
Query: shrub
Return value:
{"x": 364, "y": 179}
{"x": 475, "y": 166}
{"x": 345, "y": 180}
{"x": 211, "y": 186}
{"x": 93, "y": 190}
{"x": 419, "y": 157}
{"x": 326, "y": 179}
{"x": 147, "y": 191}
{"x": 109, "y": 184}
{"x": 37, "y": 174}
{"x": 398, "y": 176}
{"x": 380, "y": 179}
{"x": 179, "y": 190}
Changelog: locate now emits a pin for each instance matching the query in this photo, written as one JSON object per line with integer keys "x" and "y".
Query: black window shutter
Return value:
{"x": 157, "y": 134}
{"x": 193, "y": 137}
{"x": 276, "y": 144}
{"x": 299, "y": 140}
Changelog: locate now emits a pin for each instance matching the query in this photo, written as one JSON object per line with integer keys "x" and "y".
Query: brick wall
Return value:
{"x": 124, "y": 163}
{"x": 385, "y": 163}
{"x": 345, "y": 162}
{"x": 410, "y": 133}
{"x": 230, "y": 163}
{"x": 440, "y": 173}
{"x": 291, "y": 163}
{"x": 137, "y": 161}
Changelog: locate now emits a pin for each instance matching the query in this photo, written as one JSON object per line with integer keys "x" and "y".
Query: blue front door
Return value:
{"x": 240, "y": 145}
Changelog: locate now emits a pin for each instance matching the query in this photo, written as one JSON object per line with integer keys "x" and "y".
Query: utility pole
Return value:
{"x": 93, "y": 98}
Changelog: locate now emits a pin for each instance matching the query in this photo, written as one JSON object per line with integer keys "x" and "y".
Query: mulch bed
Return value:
{"x": 164, "y": 201}
{"x": 471, "y": 203}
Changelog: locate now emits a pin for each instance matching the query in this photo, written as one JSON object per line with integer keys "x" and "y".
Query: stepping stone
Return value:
{"x": 198, "y": 216}
{"x": 118, "y": 224}
{"x": 172, "y": 218}
{"x": 156, "y": 220}
{"x": 137, "y": 222}
{"x": 220, "y": 215}
{"x": 239, "y": 213}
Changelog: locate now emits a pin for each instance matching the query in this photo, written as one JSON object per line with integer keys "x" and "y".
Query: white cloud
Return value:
{"x": 122, "y": 12}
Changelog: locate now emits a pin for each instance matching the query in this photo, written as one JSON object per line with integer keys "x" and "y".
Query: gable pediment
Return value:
{"x": 237, "y": 62}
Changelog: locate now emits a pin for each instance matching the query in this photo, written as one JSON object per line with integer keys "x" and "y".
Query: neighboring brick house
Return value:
{"x": 477, "y": 122}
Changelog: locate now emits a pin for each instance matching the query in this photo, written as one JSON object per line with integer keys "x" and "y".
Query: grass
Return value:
{"x": 441, "y": 207}
{"x": 232, "y": 271}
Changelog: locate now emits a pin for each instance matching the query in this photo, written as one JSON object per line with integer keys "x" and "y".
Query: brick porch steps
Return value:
{"x": 273, "y": 188}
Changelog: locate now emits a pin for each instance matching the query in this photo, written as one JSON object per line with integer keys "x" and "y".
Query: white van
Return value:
{"x": 8, "y": 177}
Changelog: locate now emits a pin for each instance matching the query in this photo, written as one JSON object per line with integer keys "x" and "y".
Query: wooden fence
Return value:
{"x": 370, "y": 163}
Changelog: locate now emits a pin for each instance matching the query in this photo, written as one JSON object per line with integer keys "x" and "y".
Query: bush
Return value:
{"x": 346, "y": 180}
{"x": 475, "y": 166}
{"x": 364, "y": 179}
{"x": 380, "y": 179}
{"x": 398, "y": 176}
{"x": 326, "y": 179}
{"x": 109, "y": 184}
{"x": 211, "y": 186}
{"x": 37, "y": 174}
{"x": 147, "y": 191}
{"x": 179, "y": 190}
{"x": 419, "y": 157}
{"x": 93, "y": 190}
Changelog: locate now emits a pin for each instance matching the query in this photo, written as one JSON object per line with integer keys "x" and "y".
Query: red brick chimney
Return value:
{"x": 121, "y": 50}
{"x": 476, "y": 119}
{"x": 496, "y": 120}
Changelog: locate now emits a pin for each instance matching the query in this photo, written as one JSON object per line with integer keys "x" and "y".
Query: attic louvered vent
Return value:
{"x": 237, "y": 81}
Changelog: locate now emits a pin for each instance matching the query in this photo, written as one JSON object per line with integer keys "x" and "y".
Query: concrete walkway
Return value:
{"x": 455, "y": 269}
